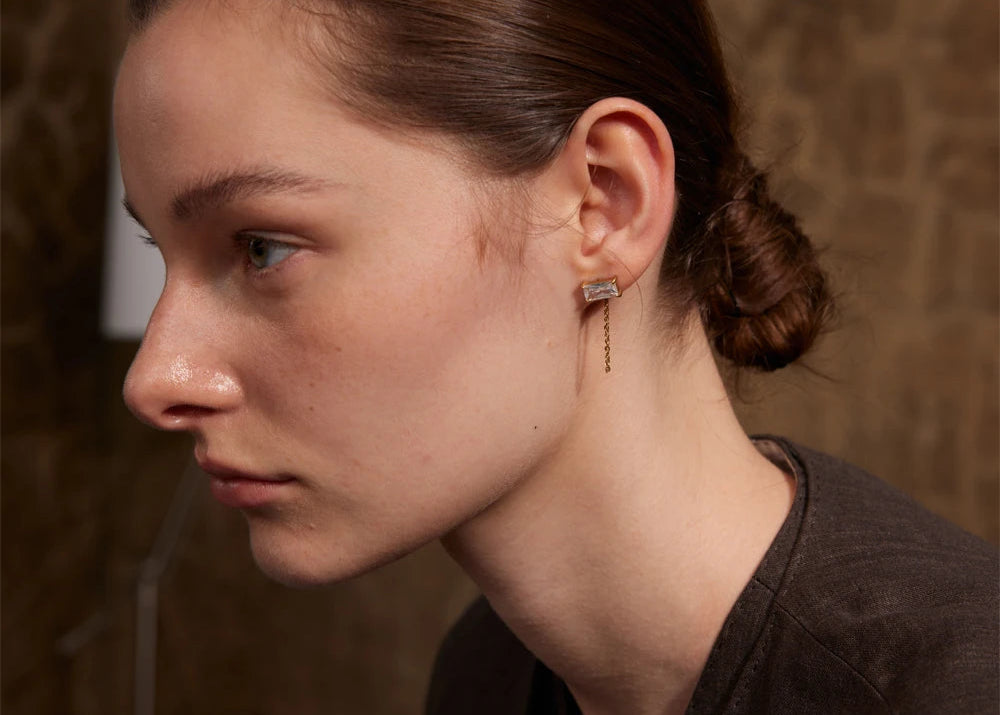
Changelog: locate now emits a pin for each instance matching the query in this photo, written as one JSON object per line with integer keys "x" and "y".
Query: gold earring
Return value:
{"x": 604, "y": 289}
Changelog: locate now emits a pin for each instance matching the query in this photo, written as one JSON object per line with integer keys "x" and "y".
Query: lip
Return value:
{"x": 243, "y": 490}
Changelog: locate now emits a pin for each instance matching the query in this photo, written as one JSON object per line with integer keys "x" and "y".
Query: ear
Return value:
{"x": 620, "y": 159}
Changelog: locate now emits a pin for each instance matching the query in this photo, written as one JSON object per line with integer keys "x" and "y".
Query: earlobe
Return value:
{"x": 621, "y": 155}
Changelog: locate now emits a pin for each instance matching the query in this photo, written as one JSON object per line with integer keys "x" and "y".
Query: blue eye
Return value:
{"x": 265, "y": 252}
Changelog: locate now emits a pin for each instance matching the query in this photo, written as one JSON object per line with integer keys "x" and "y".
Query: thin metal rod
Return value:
{"x": 148, "y": 586}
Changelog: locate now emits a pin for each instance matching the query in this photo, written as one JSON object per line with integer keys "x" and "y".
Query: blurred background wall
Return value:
{"x": 881, "y": 121}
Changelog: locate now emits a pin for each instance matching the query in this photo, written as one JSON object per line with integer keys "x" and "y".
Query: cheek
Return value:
{"x": 406, "y": 404}
{"x": 424, "y": 372}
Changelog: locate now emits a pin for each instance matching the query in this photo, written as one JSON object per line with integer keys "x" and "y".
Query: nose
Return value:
{"x": 180, "y": 375}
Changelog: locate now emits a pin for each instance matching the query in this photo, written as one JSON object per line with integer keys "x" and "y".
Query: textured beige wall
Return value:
{"x": 881, "y": 118}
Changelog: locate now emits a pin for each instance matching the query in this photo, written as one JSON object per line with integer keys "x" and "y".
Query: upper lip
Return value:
{"x": 219, "y": 470}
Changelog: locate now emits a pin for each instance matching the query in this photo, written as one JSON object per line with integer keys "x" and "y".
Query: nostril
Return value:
{"x": 187, "y": 411}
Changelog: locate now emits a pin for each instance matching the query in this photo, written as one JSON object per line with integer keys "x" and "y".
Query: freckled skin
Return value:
{"x": 403, "y": 384}
{"x": 415, "y": 390}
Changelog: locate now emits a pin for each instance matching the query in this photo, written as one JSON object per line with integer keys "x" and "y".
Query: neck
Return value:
{"x": 617, "y": 560}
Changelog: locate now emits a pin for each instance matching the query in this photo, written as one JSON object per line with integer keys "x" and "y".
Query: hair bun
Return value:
{"x": 771, "y": 301}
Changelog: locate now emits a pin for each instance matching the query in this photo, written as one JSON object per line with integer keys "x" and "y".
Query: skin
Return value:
{"x": 404, "y": 389}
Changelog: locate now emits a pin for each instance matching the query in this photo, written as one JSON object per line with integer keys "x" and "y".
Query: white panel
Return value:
{"x": 133, "y": 271}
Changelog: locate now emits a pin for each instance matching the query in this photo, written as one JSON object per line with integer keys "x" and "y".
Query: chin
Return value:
{"x": 291, "y": 574}
{"x": 298, "y": 566}
{"x": 298, "y": 562}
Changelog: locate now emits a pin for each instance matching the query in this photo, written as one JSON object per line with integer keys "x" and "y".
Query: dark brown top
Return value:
{"x": 864, "y": 603}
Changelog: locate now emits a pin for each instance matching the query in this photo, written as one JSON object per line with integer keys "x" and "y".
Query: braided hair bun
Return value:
{"x": 771, "y": 300}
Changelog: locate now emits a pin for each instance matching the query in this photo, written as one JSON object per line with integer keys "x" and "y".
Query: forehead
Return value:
{"x": 196, "y": 57}
{"x": 208, "y": 88}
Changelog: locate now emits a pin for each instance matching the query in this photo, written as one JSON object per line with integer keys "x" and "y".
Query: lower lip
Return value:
{"x": 248, "y": 493}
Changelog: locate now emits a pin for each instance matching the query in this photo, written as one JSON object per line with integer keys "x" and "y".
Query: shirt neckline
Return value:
{"x": 743, "y": 626}
{"x": 746, "y": 622}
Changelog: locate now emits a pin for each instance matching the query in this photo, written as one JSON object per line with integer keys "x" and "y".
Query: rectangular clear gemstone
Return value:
{"x": 601, "y": 290}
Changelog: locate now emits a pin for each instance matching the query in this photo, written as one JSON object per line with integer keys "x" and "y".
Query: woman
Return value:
{"x": 458, "y": 270}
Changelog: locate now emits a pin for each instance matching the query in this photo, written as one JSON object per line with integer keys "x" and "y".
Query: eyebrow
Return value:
{"x": 215, "y": 190}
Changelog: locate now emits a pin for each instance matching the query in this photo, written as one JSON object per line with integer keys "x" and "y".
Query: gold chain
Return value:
{"x": 607, "y": 335}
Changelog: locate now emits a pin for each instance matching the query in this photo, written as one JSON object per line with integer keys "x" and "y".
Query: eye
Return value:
{"x": 266, "y": 252}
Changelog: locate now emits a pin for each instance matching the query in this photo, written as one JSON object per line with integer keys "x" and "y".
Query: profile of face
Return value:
{"x": 356, "y": 374}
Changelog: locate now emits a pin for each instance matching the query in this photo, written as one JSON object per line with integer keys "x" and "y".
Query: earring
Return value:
{"x": 603, "y": 290}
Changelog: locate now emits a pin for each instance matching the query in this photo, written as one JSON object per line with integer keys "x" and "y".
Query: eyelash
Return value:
{"x": 242, "y": 244}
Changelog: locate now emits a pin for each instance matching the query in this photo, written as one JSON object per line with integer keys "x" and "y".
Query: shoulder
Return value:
{"x": 481, "y": 667}
{"x": 852, "y": 519}
{"x": 902, "y": 598}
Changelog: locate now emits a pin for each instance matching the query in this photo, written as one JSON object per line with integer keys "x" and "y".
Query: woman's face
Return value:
{"x": 359, "y": 381}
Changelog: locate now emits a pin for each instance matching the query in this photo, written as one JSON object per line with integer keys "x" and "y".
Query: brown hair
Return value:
{"x": 509, "y": 78}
